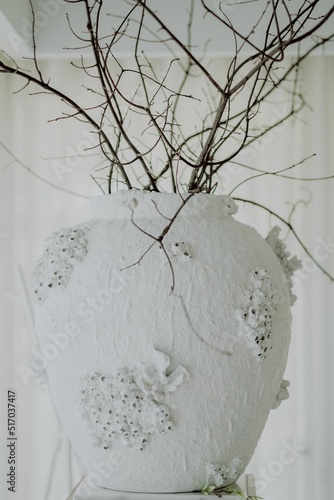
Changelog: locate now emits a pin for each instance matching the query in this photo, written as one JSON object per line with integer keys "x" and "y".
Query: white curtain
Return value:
{"x": 295, "y": 455}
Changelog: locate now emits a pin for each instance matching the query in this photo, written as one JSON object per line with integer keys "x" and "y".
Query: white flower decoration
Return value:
{"x": 154, "y": 381}
{"x": 289, "y": 264}
{"x": 230, "y": 207}
{"x": 282, "y": 394}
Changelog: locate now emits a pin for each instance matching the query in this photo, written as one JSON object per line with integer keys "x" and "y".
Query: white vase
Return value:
{"x": 164, "y": 358}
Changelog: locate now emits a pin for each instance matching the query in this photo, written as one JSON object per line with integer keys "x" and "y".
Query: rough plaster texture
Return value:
{"x": 124, "y": 315}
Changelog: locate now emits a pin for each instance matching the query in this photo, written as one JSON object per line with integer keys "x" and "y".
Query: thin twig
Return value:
{"x": 291, "y": 228}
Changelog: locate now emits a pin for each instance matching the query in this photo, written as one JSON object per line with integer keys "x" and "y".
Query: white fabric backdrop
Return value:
{"x": 295, "y": 455}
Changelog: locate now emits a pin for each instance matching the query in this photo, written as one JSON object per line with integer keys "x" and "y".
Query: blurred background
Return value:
{"x": 45, "y": 184}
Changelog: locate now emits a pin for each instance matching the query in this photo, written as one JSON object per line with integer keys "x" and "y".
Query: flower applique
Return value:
{"x": 154, "y": 381}
{"x": 282, "y": 394}
{"x": 289, "y": 265}
{"x": 229, "y": 206}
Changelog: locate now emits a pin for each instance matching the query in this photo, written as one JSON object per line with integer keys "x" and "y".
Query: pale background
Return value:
{"x": 30, "y": 209}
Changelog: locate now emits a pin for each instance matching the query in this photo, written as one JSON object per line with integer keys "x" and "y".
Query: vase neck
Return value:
{"x": 147, "y": 204}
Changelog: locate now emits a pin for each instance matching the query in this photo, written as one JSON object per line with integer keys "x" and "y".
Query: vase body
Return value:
{"x": 167, "y": 355}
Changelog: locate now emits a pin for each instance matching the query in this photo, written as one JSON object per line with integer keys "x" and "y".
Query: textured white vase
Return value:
{"x": 163, "y": 390}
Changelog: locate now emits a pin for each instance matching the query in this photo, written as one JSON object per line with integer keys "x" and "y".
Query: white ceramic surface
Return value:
{"x": 204, "y": 361}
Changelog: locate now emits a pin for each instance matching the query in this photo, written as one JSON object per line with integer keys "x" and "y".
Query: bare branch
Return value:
{"x": 293, "y": 231}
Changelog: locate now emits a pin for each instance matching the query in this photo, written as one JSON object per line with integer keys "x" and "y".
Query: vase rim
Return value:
{"x": 152, "y": 204}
